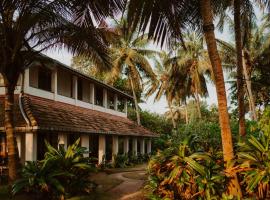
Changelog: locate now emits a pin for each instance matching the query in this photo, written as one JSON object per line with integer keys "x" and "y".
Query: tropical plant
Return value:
{"x": 179, "y": 173}
{"x": 30, "y": 27}
{"x": 254, "y": 158}
{"x": 62, "y": 173}
{"x": 255, "y": 65}
{"x": 121, "y": 160}
{"x": 129, "y": 55}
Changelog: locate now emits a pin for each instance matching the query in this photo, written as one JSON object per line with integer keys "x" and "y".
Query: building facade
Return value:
{"x": 56, "y": 103}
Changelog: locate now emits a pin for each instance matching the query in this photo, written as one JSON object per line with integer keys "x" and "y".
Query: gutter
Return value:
{"x": 21, "y": 106}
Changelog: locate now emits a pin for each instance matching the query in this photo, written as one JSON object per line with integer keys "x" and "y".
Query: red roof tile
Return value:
{"x": 52, "y": 115}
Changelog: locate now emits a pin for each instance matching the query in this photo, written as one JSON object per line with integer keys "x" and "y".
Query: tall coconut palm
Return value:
{"x": 30, "y": 27}
{"x": 170, "y": 82}
{"x": 129, "y": 55}
{"x": 254, "y": 49}
{"x": 194, "y": 57}
{"x": 166, "y": 18}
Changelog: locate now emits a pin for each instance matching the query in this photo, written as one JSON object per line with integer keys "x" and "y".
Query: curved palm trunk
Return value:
{"x": 10, "y": 135}
{"x": 171, "y": 111}
{"x": 198, "y": 105}
{"x": 208, "y": 28}
{"x": 249, "y": 91}
{"x": 135, "y": 102}
{"x": 240, "y": 85}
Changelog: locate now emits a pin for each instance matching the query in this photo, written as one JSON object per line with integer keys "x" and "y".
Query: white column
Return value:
{"x": 92, "y": 93}
{"x": 85, "y": 143}
{"x": 115, "y": 102}
{"x": 142, "y": 144}
{"x": 62, "y": 140}
{"x": 30, "y": 147}
{"x": 19, "y": 144}
{"x": 75, "y": 88}
{"x": 101, "y": 148}
{"x": 54, "y": 83}
{"x": 149, "y": 146}
{"x": 26, "y": 80}
{"x": 105, "y": 98}
{"x": 115, "y": 146}
{"x": 126, "y": 144}
{"x": 134, "y": 146}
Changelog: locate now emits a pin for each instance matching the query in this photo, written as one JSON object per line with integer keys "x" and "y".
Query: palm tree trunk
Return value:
{"x": 135, "y": 102}
{"x": 240, "y": 85}
{"x": 249, "y": 91}
{"x": 10, "y": 135}
{"x": 186, "y": 113}
{"x": 198, "y": 106}
{"x": 228, "y": 154}
{"x": 173, "y": 121}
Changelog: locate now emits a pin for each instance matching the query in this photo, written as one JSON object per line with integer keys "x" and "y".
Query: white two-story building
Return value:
{"x": 59, "y": 104}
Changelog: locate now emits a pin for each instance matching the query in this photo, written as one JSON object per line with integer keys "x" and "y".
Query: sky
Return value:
{"x": 160, "y": 106}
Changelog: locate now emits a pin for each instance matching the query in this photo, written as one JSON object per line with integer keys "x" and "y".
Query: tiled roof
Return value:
{"x": 57, "y": 116}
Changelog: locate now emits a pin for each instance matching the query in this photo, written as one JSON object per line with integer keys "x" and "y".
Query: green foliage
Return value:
{"x": 179, "y": 173}
{"x": 62, "y": 173}
{"x": 205, "y": 135}
{"x": 155, "y": 123}
{"x": 130, "y": 159}
{"x": 121, "y": 160}
{"x": 254, "y": 160}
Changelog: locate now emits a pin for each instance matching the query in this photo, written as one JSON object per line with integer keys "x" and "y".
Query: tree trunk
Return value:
{"x": 186, "y": 113}
{"x": 198, "y": 105}
{"x": 11, "y": 139}
{"x": 173, "y": 121}
{"x": 135, "y": 102}
{"x": 240, "y": 85}
{"x": 228, "y": 154}
{"x": 249, "y": 91}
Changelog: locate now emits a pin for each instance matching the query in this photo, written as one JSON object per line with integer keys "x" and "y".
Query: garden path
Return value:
{"x": 133, "y": 180}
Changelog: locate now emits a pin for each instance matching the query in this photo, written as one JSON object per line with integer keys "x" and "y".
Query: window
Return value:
{"x": 80, "y": 89}
{"x": 45, "y": 79}
{"x": 64, "y": 83}
{"x": 110, "y": 100}
{"x": 99, "y": 96}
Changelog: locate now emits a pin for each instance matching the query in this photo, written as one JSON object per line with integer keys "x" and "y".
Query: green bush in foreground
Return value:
{"x": 192, "y": 168}
{"x": 62, "y": 173}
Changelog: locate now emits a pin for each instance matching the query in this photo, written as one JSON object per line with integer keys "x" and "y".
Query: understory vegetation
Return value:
{"x": 190, "y": 165}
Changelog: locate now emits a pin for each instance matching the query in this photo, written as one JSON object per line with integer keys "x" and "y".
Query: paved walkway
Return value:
{"x": 133, "y": 181}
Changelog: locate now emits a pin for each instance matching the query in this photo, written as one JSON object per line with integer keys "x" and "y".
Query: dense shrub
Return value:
{"x": 179, "y": 173}
{"x": 192, "y": 165}
{"x": 130, "y": 159}
{"x": 61, "y": 174}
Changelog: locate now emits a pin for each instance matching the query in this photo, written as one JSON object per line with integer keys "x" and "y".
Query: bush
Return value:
{"x": 194, "y": 168}
{"x": 179, "y": 173}
{"x": 61, "y": 174}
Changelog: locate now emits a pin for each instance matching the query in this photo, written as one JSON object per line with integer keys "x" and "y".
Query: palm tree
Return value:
{"x": 170, "y": 82}
{"x": 164, "y": 20}
{"x": 254, "y": 49}
{"x": 194, "y": 58}
{"x": 30, "y": 27}
{"x": 129, "y": 55}
{"x": 240, "y": 85}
